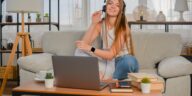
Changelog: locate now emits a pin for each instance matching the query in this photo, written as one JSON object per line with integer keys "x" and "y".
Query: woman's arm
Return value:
{"x": 105, "y": 54}
{"x": 91, "y": 34}
{"x": 94, "y": 28}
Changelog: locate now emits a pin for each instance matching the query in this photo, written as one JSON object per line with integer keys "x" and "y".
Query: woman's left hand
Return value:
{"x": 83, "y": 46}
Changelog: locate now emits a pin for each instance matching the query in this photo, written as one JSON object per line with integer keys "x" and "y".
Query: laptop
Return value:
{"x": 77, "y": 72}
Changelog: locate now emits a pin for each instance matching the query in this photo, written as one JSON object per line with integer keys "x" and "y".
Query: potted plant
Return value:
{"x": 49, "y": 80}
{"x": 38, "y": 18}
{"x": 145, "y": 85}
{"x": 46, "y": 17}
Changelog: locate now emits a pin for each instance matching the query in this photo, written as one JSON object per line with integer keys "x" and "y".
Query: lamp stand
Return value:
{"x": 181, "y": 16}
{"x": 26, "y": 50}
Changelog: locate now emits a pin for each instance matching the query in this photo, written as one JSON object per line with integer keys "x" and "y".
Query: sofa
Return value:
{"x": 157, "y": 53}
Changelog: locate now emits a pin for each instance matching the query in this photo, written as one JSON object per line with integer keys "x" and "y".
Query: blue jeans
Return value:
{"x": 123, "y": 65}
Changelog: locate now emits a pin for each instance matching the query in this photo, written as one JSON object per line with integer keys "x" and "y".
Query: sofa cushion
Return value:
{"x": 152, "y": 47}
{"x": 60, "y": 43}
{"x": 36, "y": 62}
{"x": 63, "y": 42}
{"x": 174, "y": 66}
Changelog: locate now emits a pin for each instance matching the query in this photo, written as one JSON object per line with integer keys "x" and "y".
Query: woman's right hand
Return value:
{"x": 96, "y": 17}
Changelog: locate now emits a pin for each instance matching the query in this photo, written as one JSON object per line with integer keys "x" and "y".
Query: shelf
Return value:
{"x": 9, "y": 51}
{"x": 166, "y": 23}
{"x": 35, "y": 50}
{"x": 31, "y": 23}
{"x": 160, "y": 23}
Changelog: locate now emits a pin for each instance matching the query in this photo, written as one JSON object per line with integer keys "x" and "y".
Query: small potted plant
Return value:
{"x": 49, "y": 80}
{"x": 145, "y": 85}
{"x": 38, "y": 18}
{"x": 46, "y": 17}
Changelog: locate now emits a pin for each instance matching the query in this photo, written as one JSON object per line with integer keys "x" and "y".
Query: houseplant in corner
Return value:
{"x": 49, "y": 80}
{"x": 46, "y": 17}
{"x": 38, "y": 18}
{"x": 145, "y": 85}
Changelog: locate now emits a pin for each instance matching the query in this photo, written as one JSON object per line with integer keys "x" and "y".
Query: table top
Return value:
{"x": 39, "y": 87}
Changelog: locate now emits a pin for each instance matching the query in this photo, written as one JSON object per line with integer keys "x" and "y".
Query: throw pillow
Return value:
{"x": 36, "y": 62}
{"x": 174, "y": 66}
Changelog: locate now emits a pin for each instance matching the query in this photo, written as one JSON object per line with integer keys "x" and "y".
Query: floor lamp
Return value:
{"x": 20, "y": 6}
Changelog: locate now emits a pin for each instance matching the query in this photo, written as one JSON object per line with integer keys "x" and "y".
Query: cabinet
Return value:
{"x": 28, "y": 24}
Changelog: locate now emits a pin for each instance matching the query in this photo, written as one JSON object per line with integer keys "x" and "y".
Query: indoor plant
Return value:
{"x": 38, "y": 18}
{"x": 145, "y": 85}
{"x": 49, "y": 80}
{"x": 46, "y": 17}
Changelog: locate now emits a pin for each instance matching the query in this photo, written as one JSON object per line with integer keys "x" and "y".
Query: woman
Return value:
{"x": 116, "y": 38}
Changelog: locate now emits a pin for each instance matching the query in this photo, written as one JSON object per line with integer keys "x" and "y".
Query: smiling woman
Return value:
{"x": 116, "y": 40}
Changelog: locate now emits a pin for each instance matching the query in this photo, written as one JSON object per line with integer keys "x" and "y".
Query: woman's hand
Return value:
{"x": 96, "y": 17}
{"x": 83, "y": 46}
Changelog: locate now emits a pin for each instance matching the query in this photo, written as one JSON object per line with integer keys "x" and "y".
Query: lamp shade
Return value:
{"x": 32, "y": 6}
{"x": 181, "y": 5}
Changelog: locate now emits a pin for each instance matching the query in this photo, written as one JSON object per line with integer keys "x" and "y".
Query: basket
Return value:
{"x": 189, "y": 50}
{"x": 12, "y": 73}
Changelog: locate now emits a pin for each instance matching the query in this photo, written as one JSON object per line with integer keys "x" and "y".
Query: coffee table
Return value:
{"x": 38, "y": 88}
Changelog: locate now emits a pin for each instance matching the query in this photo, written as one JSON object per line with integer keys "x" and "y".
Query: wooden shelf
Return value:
{"x": 160, "y": 23}
{"x": 31, "y": 23}
{"x": 33, "y": 50}
{"x": 166, "y": 23}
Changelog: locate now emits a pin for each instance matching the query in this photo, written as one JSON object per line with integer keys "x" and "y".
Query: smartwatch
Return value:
{"x": 92, "y": 49}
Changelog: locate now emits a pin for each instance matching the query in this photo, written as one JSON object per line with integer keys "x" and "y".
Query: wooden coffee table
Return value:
{"x": 38, "y": 88}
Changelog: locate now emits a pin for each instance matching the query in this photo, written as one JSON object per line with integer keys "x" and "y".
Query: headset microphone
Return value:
{"x": 104, "y": 10}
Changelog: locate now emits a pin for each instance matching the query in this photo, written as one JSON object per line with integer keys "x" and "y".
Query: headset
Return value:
{"x": 104, "y": 6}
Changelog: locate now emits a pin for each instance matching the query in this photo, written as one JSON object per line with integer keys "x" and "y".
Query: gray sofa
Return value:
{"x": 150, "y": 48}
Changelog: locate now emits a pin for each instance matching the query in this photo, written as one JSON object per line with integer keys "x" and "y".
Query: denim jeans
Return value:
{"x": 123, "y": 65}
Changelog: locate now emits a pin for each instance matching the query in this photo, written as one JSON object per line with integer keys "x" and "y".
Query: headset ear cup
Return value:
{"x": 124, "y": 6}
{"x": 104, "y": 8}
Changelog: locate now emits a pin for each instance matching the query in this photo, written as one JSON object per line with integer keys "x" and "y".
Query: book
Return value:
{"x": 139, "y": 76}
{"x": 155, "y": 85}
{"x": 121, "y": 87}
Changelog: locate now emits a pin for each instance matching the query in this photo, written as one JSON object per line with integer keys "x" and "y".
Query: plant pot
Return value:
{"x": 38, "y": 19}
{"x": 145, "y": 87}
{"x": 49, "y": 83}
{"x": 45, "y": 19}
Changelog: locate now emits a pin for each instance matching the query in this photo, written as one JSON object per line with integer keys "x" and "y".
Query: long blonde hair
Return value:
{"x": 121, "y": 27}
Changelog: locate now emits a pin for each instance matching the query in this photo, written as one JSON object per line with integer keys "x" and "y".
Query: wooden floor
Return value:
{"x": 10, "y": 85}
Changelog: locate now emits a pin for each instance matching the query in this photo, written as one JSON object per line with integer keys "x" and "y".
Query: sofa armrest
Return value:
{"x": 36, "y": 62}
{"x": 174, "y": 66}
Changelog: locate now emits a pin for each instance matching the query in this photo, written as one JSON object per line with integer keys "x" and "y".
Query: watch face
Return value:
{"x": 92, "y": 49}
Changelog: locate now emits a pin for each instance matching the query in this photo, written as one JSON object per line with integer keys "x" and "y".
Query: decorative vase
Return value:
{"x": 160, "y": 17}
{"x": 141, "y": 13}
{"x": 49, "y": 83}
{"x": 45, "y": 19}
{"x": 145, "y": 87}
{"x": 38, "y": 19}
{"x": 9, "y": 18}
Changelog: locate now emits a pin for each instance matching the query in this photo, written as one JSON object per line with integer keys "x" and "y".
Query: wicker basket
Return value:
{"x": 189, "y": 50}
{"x": 11, "y": 75}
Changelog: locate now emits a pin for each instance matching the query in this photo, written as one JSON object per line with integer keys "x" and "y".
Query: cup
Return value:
{"x": 9, "y": 46}
{"x": 9, "y": 18}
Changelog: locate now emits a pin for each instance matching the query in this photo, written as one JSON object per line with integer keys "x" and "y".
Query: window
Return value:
{"x": 66, "y": 9}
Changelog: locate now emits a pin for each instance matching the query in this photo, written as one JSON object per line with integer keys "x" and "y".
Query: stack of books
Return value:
{"x": 121, "y": 87}
{"x": 136, "y": 78}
